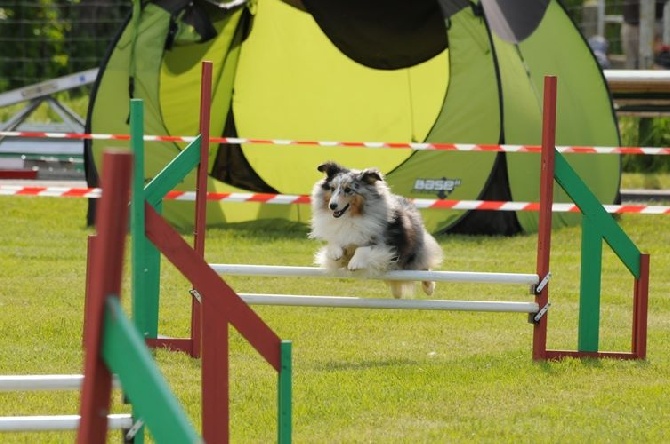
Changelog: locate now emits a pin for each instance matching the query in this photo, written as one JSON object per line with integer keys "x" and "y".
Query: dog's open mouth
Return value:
{"x": 339, "y": 213}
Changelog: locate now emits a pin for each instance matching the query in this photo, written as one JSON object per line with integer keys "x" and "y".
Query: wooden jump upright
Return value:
{"x": 214, "y": 305}
{"x": 597, "y": 226}
{"x": 544, "y": 225}
{"x": 106, "y": 267}
{"x": 111, "y": 342}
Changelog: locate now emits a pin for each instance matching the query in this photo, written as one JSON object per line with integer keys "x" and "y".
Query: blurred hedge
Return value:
{"x": 43, "y": 39}
{"x": 645, "y": 132}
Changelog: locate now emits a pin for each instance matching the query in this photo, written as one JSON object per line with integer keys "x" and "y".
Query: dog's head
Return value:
{"x": 343, "y": 191}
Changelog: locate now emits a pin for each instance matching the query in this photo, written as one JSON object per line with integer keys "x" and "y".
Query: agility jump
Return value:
{"x": 113, "y": 345}
{"x": 215, "y": 305}
{"x": 597, "y": 225}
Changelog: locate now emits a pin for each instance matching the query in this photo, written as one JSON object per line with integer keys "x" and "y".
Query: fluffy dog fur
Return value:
{"x": 366, "y": 227}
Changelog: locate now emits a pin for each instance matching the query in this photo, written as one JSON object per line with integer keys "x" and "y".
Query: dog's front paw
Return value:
{"x": 329, "y": 258}
{"x": 364, "y": 259}
{"x": 357, "y": 262}
{"x": 334, "y": 252}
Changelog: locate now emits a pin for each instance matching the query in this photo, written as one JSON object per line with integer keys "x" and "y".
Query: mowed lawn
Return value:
{"x": 360, "y": 376}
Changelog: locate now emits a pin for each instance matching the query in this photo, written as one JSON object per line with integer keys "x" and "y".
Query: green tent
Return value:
{"x": 344, "y": 70}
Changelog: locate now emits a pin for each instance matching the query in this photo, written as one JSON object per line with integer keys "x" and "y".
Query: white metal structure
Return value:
{"x": 653, "y": 79}
{"x": 48, "y": 87}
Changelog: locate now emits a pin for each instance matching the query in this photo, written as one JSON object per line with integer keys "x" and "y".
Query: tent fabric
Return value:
{"x": 285, "y": 70}
{"x": 465, "y": 116}
{"x": 507, "y": 21}
{"x": 382, "y": 34}
{"x": 585, "y": 115}
{"x": 293, "y": 88}
{"x": 139, "y": 59}
{"x": 232, "y": 167}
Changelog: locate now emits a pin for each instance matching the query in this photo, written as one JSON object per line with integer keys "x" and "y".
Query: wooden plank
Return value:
{"x": 589, "y": 287}
{"x": 105, "y": 279}
{"x": 125, "y": 353}
{"x": 589, "y": 205}
{"x": 174, "y": 172}
{"x": 285, "y": 394}
{"x": 226, "y": 302}
{"x": 650, "y": 81}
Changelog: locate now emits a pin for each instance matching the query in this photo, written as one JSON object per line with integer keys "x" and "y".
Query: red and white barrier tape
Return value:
{"x": 417, "y": 146}
{"x": 287, "y": 199}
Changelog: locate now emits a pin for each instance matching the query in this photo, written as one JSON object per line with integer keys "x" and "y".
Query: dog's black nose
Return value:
{"x": 332, "y": 206}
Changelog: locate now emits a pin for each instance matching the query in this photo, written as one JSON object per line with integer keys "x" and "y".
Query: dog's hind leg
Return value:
{"x": 428, "y": 287}
{"x": 401, "y": 289}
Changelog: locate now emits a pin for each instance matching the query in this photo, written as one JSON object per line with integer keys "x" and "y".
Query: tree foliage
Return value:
{"x": 42, "y": 39}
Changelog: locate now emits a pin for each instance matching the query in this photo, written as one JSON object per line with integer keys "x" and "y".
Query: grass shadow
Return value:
{"x": 364, "y": 364}
{"x": 560, "y": 365}
{"x": 265, "y": 228}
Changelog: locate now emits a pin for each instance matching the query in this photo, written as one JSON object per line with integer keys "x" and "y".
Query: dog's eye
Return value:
{"x": 348, "y": 190}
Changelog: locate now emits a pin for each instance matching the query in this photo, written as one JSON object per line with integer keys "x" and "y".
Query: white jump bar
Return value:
{"x": 57, "y": 422}
{"x": 397, "y": 275}
{"x": 42, "y": 382}
{"x": 406, "y": 304}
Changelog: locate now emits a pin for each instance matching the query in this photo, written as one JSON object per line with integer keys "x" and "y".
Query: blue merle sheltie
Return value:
{"x": 366, "y": 227}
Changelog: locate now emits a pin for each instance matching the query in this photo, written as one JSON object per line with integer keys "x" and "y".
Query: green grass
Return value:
{"x": 359, "y": 375}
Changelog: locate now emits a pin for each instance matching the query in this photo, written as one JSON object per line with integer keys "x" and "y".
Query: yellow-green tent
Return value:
{"x": 347, "y": 70}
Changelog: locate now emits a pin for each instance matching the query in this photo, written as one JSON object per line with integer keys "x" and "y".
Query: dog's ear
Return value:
{"x": 331, "y": 169}
{"x": 371, "y": 175}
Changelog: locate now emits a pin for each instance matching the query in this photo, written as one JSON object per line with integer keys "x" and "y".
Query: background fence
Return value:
{"x": 47, "y": 39}
{"x": 44, "y": 39}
